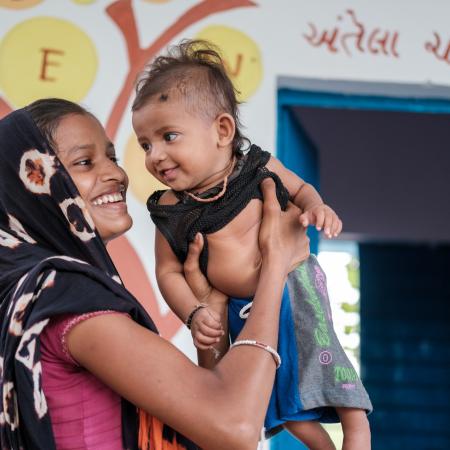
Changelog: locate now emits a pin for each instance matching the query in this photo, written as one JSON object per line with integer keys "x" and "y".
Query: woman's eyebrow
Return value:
{"x": 77, "y": 148}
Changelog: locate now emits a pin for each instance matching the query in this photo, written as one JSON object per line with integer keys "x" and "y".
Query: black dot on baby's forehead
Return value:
{"x": 163, "y": 97}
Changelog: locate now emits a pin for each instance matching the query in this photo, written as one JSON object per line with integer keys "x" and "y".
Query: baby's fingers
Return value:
{"x": 204, "y": 342}
{"x": 320, "y": 219}
{"x": 210, "y": 331}
{"x": 305, "y": 219}
{"x": 337, "y": 227}
{"x": 328, "y": 224}
{"x": 208, "y": 318}
{"x": 201, "y": 346}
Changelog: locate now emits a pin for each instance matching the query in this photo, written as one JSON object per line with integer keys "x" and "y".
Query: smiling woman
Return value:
{"x": 90, "y": 158}
{"x": 82, "y": 362}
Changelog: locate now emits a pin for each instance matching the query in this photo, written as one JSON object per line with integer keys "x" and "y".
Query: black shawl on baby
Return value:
{"x": 180, "y": 223}
{"x": 46, "y": 234}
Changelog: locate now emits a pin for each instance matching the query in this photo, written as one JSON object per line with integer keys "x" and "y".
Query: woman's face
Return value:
{"x": 90, "y": 158}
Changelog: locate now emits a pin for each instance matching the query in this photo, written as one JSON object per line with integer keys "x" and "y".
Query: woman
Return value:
{"x": 70, "y": 330}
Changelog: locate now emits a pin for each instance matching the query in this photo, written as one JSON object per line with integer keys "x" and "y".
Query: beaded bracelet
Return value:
{"x": 276, "y": 357}
{"x": 192, "y": 314}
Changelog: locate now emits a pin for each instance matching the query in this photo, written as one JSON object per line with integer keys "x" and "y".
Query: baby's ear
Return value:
{"x": 226, "y": 129}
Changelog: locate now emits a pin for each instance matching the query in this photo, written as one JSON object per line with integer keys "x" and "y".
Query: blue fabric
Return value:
{"x": 284, "y": 404}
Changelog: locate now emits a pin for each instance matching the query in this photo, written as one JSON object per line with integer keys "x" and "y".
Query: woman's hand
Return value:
{"x": 281, "y": 238}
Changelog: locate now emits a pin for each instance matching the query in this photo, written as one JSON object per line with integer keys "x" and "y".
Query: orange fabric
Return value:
{"x": 151, "y": 434}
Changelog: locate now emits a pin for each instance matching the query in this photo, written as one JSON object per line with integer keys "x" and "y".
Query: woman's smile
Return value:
{"x": 101, "y": 182}
{"x": 110, "y": 199}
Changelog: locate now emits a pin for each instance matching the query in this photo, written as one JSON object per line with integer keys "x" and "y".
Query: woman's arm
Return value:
{"x": 223, "y": 408}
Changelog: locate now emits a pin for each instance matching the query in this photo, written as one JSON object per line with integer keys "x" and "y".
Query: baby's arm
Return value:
{"x": 305, "y": 196}
{"x": 217, "y": 302}
{"x": 206, "y": 324}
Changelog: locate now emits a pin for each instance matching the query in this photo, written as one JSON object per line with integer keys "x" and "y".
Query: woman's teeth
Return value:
{"x": 108, "y": 198}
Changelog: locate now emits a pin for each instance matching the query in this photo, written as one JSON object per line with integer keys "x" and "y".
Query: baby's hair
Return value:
{"x": 48, "y": 112}
{"x": 194, "y": 70}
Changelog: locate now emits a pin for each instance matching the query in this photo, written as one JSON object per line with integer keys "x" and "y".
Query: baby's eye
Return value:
{"x": 145, "y": 146}
{"x": 169, "y": 137}
{"x": 114, "y": 159}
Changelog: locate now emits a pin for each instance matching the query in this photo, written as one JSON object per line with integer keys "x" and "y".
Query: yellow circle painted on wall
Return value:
{"x": 142, "y": 183}
{"x": 19, "y": 4}
{"x": 241, "y": 55}
{"x": 84, "y": 2}
{"x": 46, "y": 57}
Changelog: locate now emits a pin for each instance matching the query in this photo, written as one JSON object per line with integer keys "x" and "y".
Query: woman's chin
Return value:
{"x": 119, "y": 228}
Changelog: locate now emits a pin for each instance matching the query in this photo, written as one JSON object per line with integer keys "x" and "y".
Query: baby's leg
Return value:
{"x": 355, "y": 427}
{"x": 312, "y": 434}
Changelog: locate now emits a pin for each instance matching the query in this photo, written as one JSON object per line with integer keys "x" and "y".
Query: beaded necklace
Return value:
{"x": 221, "y": 193}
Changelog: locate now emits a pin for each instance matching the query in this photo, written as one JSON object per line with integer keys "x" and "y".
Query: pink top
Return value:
{"x": 84, "y": 412}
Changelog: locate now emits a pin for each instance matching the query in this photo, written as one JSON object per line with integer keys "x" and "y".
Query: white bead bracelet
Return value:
{"x": 276, "y": 357}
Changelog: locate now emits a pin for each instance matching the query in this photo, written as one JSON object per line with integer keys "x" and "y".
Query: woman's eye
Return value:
{"x": 145, "y": 146}
{"x": 169, "y": 137}
{"x": 84, "y": 162}
{"x": 114, "y": 159}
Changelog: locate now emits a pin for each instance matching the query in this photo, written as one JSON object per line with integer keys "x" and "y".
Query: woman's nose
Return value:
{"x": 111, "y": 171}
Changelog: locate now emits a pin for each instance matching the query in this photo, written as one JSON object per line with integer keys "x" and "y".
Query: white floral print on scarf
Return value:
{"x": 36, "y": 170}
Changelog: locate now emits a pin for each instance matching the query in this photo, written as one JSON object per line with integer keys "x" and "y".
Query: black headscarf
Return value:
{"x": 52, "y": 261}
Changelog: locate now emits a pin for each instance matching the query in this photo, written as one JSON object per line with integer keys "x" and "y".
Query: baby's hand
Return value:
{"x": 206, "y": 328}
{"x": 322, "y": 216}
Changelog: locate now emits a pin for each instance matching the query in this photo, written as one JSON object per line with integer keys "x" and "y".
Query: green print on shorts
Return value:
{"x": 321, "y": 334}
{"x": 345, "y": 374}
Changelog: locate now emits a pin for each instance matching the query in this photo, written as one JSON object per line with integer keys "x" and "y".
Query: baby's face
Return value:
{"x": 181, "y": 147}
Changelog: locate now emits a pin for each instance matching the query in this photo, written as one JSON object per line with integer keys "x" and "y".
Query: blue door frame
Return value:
{"x": 297, "y": 152}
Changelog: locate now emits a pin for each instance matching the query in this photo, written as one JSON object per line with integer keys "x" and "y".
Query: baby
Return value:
{"x": 185, "y": 116}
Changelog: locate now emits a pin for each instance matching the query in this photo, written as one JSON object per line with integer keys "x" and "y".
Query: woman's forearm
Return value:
{"x": 218, "y": 409}
{"x": 246, "y": 373}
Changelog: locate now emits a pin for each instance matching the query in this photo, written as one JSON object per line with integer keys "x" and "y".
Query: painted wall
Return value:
{"x": 90, "y": 51}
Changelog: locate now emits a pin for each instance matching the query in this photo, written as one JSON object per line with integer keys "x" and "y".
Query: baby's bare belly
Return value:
{"x": 234, "y": 258}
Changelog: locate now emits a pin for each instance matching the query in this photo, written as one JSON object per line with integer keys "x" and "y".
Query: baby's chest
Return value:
{"x": 234, "y": 258}
{"x": 238, "y": 230}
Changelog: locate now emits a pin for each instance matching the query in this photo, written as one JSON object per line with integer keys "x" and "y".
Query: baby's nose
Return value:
{"x": 157, "y": 154}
